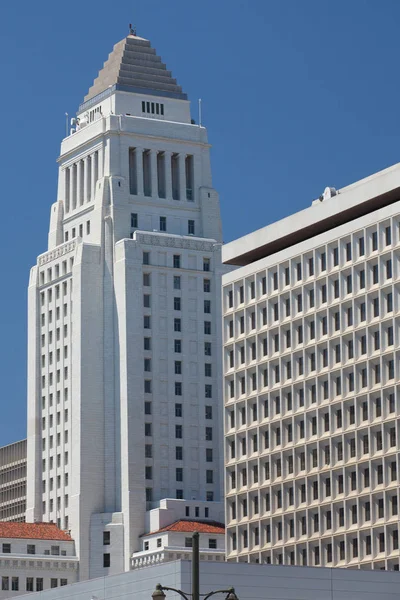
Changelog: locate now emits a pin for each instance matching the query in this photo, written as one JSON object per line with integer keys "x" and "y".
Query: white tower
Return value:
{"x": 124, "y": 370}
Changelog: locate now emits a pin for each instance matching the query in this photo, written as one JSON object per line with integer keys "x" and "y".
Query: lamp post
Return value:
{"x": 159, "y": 592}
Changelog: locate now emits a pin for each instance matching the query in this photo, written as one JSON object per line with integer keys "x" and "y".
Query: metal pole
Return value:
{"x": 195, "y": 567}
{"x": 66, "y": 124}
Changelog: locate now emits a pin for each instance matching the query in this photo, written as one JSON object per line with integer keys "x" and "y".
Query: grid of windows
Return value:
{"x": 311, "y": 364}
{"x": 56, "y": 312}
{"x": 182, "y": 305}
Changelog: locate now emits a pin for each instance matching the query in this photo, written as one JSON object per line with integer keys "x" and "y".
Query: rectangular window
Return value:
{"x": 29, "y": 584}
{"x": 190, "y": 227}
{"x": 14, "y": 584}
{"x": 177, "y": 261}
{"x": 163, "y": 223}
{"x": 106, "y": 560}
{"x": 106, "y": 538}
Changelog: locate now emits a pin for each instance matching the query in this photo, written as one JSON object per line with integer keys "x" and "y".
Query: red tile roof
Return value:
{"x": 184, "y": 526}
{"x": 33, "y": 531}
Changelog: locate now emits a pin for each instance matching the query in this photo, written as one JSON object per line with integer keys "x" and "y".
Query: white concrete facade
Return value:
{"x": 124, "y": 371}
{"x": 311, "y": 361}
{"x": 169, "y": 530}
{"x": 13, "y": 481}
{"x": 33, "y": 565}
{"x": 251, "y": 582}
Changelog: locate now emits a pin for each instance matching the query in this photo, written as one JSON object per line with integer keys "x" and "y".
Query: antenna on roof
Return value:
{"x": 132, "y": 31}
{"x": 199, "y": 112}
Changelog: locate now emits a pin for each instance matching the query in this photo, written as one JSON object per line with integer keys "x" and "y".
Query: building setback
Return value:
{"x": 311, "y": 360}
{"x": 13, "y": 481}
{"x": 124, "y": 369}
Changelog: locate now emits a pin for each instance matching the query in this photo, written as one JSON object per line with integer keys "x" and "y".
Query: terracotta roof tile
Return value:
{"x": 33, "y": 531}
{"x": 187, "y": 526}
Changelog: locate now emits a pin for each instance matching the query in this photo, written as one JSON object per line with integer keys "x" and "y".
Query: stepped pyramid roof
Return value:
{"x": 134, "y": 66}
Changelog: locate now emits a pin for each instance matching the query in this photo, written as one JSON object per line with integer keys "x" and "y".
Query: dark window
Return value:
{"x": 106, "y": 560}
{"x": 106, "y": 538}
{"x": 29, "y": 584}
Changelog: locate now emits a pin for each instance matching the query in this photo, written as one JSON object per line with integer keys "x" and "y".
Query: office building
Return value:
{"x": 124, "y": 369}
{"x": 311, "y": 361}
{"x": 13, "y": 481}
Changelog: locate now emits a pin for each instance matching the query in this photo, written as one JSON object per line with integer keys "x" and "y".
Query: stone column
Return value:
{"x": 86, "y": 181}
{"x": 79, "y": 183}
{"x": 92, "y": 177}
{"x": 139, "y": 171}
{"x": 154, "y": 178}
{"x": 74, "y": 169}
{"x": 67, "y": 183}
{"x": 168, "y": 175}
{"x": 182, "y": 176}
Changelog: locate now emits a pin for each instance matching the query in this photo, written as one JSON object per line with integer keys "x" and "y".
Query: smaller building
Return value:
{"x": 13, "y": 481}
{"x": 250, "y": 581}
{"x": 35, "y": 557}
{"x": 169, "y": 532}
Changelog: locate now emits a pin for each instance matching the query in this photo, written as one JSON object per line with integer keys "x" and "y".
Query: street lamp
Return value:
{"x": 159, "y": 594}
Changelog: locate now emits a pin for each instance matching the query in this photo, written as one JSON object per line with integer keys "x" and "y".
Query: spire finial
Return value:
{"x": 132, "y": 31}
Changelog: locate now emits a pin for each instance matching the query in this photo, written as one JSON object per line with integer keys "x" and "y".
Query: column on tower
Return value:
{"x": 92, "y": 177}
{"x": 79, "y": 186}
{"x": 86, "y": 181}
{"x": 139, "y": 170}
{"x": 168, "y": 175}
{"x": 67, "y": 184}
{"x": 153, "y": 169}
{"x": 74, "y": 184}
{"x": 182, "y": 176}
{"x": 95, "y": 173}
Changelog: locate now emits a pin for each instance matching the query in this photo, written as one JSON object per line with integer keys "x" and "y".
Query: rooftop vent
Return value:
{"x": 329, "y": 192}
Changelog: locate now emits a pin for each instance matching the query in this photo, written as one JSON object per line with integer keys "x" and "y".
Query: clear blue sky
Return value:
{"x": 297, "y": 95}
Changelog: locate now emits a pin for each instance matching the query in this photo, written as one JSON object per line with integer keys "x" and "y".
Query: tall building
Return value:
{"x": 312, "y": 367}
{"x": 124, "y": 369}
{"x": 13, "y": 481}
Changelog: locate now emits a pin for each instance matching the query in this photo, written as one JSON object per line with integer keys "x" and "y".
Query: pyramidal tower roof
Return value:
{"x": 134, "y": 66}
